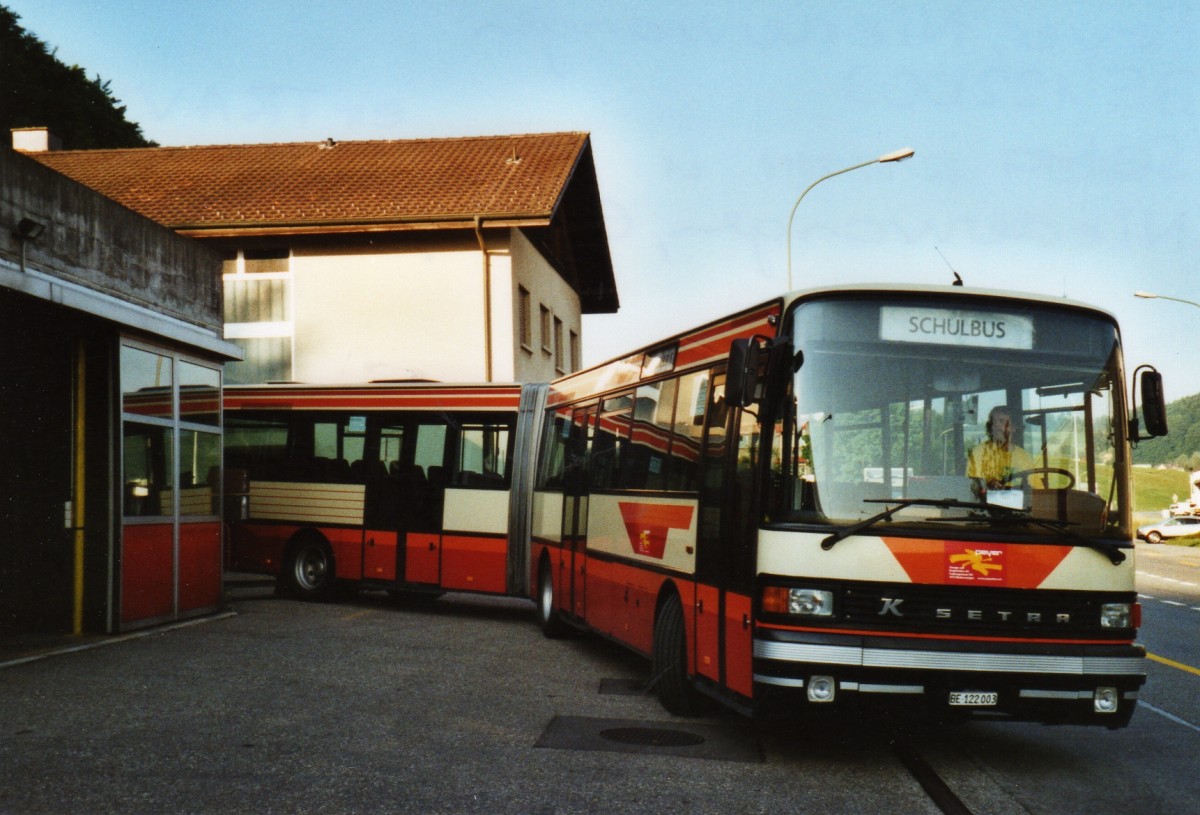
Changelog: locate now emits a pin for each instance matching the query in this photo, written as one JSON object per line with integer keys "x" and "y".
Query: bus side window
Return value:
{"x": 257, "y": 445}
{"x": 611, "y": 442}
{"x": 554, "y": 449}
{"x": 688, "y": 431}
{"x": 337, "y": 445}
{"x": 651, "y": 436}
{"x": 483, "y": 454}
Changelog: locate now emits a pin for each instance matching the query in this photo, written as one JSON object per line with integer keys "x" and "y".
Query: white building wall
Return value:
{"x": 504, "y": 326}
{"x": 391, "y": 314}
{"x": 535, "y": 362}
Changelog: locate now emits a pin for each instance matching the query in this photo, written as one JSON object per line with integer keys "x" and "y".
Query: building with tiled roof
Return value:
{"x": 451, "y": 259}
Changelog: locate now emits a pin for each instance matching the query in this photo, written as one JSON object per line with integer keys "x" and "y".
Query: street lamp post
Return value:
{"x": 1150, "y": 296}
{"x": 898, "y": 155}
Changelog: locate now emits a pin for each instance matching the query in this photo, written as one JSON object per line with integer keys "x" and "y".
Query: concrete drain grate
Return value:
{"x": 680, "y": 739}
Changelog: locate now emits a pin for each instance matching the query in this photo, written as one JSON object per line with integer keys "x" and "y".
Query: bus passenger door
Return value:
{"x": 570, "y": 578}
{"x": 382, "y": 546}
{"x": 725, "y": 545}
{"x": 707, "y": 607}
{"x": 741, "y": 530}
{"x": 423, "y": 477}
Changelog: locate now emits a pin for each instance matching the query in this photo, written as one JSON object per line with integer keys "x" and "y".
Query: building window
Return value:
{"x": 575, "y": 352}
{"x": 171, "y": 439}
{"x": 524, "y": 318}
{"x": 559, "y": 351}
{"x": 258, "y": 314}
{"x": 544, "y": 319}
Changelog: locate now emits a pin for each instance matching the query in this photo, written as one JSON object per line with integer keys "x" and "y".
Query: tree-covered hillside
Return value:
{"x": 1181, "y": 446}
{"x": 37, "y": 90}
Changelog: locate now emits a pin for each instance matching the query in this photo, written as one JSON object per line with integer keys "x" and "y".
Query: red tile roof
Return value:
{"x": 544, "y": 183}
{"x": 520, "y": 178}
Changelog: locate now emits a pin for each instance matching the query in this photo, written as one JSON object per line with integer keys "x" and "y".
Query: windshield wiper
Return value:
{"x": 900, "y": 503}
{"x": 1112, "y": 551}
{"x": 995, "y": 512}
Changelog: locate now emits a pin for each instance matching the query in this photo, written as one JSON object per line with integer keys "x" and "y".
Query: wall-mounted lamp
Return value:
{"x": 28, "y": 230}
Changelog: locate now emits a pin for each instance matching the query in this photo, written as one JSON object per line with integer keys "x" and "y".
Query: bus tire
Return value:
{"x": 308, "y": 571}
{"x": 549, "y": 619}
{"x": 675, "y": 691}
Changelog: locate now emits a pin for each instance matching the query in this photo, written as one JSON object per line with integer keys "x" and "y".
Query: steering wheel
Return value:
{"x": 1024, "y": 475}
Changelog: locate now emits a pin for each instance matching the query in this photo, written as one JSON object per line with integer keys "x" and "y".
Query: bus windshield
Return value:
{"x": 971, "y": 412}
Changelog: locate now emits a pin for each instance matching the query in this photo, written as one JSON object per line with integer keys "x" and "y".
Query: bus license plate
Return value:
{"x": 973, "y": 699}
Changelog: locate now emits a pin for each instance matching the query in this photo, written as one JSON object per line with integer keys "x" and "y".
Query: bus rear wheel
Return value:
{"x": 308, "y": 569}
{"x": 675, "y": 691}
{"x": 552, "y": 624}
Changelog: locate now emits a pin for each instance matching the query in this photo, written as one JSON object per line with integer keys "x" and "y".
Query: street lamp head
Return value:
{"x": 1150, "y": 296}
{"x": 898, "y": 155}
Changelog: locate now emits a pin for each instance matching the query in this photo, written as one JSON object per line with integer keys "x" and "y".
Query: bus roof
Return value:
{"x": 486, "y": 396}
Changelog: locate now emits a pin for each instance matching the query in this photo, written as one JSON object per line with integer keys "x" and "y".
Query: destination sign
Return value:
{"x": 979, "y": 329}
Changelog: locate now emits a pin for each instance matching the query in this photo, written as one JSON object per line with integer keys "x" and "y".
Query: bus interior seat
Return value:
{"x": 437, "y": 476}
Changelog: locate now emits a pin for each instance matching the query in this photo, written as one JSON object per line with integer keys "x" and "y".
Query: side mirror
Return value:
{"x": 1154, "y": 406}
{"x": 741, "y": 374}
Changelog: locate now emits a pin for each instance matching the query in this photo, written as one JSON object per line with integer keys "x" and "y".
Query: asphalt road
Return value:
{"x": 461, "y": 706}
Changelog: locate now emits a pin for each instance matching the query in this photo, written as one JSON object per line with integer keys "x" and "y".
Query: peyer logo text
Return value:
{"x": 965, "y": 564}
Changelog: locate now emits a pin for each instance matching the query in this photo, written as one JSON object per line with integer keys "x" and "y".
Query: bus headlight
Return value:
{"x": 1116, "y": 615}
{"x": 799, "y": 602}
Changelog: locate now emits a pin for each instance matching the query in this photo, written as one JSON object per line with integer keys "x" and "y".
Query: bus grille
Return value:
{"x": 952, "y": 610}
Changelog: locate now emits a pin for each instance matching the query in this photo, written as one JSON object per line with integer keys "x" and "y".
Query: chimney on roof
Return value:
{"x": 35, "y": 140}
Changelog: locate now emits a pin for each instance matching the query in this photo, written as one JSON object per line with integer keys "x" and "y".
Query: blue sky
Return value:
{"x": 1054, "y": 140}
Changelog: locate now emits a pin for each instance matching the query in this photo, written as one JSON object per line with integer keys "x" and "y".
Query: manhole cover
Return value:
{"x": 651, "y": 737}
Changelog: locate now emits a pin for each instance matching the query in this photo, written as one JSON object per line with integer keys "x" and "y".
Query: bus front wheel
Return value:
{"x": 675, "y": 691}
{"x": 308, "y": 569}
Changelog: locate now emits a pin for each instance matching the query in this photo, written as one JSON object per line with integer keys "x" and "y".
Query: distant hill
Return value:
{"x": 1181, "y": 446}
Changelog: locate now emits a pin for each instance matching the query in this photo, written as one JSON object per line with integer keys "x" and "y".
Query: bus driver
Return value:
{"x": 993, "y": 462}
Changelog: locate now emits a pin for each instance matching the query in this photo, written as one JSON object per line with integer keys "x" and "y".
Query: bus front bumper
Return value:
{"x": 1045, "y": 682}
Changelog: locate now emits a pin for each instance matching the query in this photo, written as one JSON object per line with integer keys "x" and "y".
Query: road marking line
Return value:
{"x": 1170, "y": 716}
{"x": 357, "y": 614}
{"x": 1173, "y": 664}
{"x": 1173, "y": 603}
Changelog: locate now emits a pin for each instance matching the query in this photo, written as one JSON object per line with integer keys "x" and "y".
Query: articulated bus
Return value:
{"x": 410, "y": 487}
{"x": 914, "y": 495}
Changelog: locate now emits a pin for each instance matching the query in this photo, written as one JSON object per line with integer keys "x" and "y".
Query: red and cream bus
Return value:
{"x": 779, "y": 510}
{"x": 405, "y": 487}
